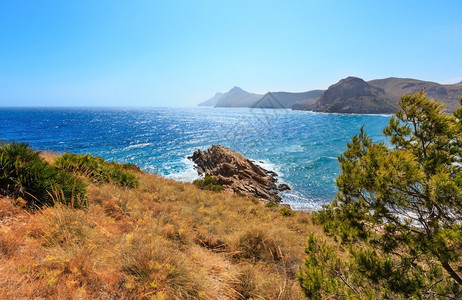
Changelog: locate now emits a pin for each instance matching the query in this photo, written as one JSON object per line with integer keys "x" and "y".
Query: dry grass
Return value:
{"x": 163, "y": 240}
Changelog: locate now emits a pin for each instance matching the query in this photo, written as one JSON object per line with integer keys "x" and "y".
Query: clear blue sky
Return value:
{"x": 178, "y": 53}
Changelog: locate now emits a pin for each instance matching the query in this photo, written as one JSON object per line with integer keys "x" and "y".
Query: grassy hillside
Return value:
{"x": 157, "y": 239}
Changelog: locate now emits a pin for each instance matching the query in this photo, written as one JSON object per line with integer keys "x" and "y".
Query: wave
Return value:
{"x": 300, "y": 203}
{"x": 136, "y": 146}
{"x": 188, "y": 174}
{"x": 265, "y": 164}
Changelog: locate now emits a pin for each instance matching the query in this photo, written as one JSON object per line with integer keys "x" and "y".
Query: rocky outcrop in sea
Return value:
{"x": 238, "y": 174}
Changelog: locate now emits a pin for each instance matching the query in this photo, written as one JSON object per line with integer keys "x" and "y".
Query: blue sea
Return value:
{"x": 302, "y": 147}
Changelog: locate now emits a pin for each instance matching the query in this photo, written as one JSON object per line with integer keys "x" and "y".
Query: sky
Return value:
{"x": 179, "y": 53}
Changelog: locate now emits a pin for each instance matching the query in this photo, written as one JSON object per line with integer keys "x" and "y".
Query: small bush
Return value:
{"x": 208, "y": 183}
{"x": 286, "y": 212}
{"x": 131, "y": 167}
{"x": 271, "y": 204}
{"x": 98, "y": 169}
{"x": 23, "y": 173}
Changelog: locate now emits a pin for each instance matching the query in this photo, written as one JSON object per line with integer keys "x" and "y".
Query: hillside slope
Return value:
{"x": 212, "y": 101}
{"x": 396, "y": 87}
{"x": 160, "y": 240}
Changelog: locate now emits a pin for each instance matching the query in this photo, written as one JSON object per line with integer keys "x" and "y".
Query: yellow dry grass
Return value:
{"x": 163, "y": 240}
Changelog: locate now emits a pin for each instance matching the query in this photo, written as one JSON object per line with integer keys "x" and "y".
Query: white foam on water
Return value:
{"x": 136, "y": 146}
{"x": 265, "y": 164}
{"x": 296, "y": 196}
{"x": 189, "y": 173}
{"x": 297, "y": 202}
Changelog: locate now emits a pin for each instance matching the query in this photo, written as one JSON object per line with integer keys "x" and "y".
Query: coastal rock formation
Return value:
{"x": 349, "y": 95}
{"x": 237, "y": 173}
{"x": 353, "y": 95}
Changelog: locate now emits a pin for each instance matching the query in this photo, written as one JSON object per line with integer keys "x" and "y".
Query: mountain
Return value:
{"x": 396, "y": 87}
{"x": 212, "y": 101}
{"x": 286, "y": 99}
{"x": 352, "y": 95}
{"x": 349, "y": 95}
{"x": 237, "y": 97}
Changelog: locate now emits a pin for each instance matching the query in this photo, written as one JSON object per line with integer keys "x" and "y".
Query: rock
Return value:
{"x": 283, "y": 187}
{"x": 237, "y": 173}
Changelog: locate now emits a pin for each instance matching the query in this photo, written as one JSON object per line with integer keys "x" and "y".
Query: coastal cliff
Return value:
{"x": 352, "y": 95}
{"x": 349, "y": 95}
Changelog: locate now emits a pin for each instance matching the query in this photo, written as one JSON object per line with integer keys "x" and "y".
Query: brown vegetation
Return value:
{"x": 161, "y": 240}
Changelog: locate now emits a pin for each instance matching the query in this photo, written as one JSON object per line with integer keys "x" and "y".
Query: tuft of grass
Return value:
{"x": 99, "y": 170}
{"x": 257, "y": 244}
{"x": 23, "y": 173}
{"x": 153, "y": 264}
{"x": 9, "y": 243}
{"x": 209, "y": 183}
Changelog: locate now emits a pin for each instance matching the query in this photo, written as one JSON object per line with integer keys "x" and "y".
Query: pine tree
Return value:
{"x": 398, "y": 213}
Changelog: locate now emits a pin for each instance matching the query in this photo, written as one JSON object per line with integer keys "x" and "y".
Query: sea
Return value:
{"x": 301, "y": 147}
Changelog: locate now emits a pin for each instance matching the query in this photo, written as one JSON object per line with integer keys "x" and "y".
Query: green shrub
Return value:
{"x": 131, "y": 167}
{"x": 208, "y": 183}
{"x": 286, "y": 212}
{"x": 98, "y": 169}
{"x": 271, "y": 204}
{"x": 23, "y": 173}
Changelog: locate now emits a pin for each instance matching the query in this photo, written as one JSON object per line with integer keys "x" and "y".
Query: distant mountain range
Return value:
{"x": 349, "y": 95}
{"x": 286, "y": 99}
{"x": 237, "y": 97}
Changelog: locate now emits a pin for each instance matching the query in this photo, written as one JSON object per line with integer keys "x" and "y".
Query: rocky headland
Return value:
{"x": 238, "y": 174}
{"x": 349, "y": 95}
{"x": 353, "y": 95}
